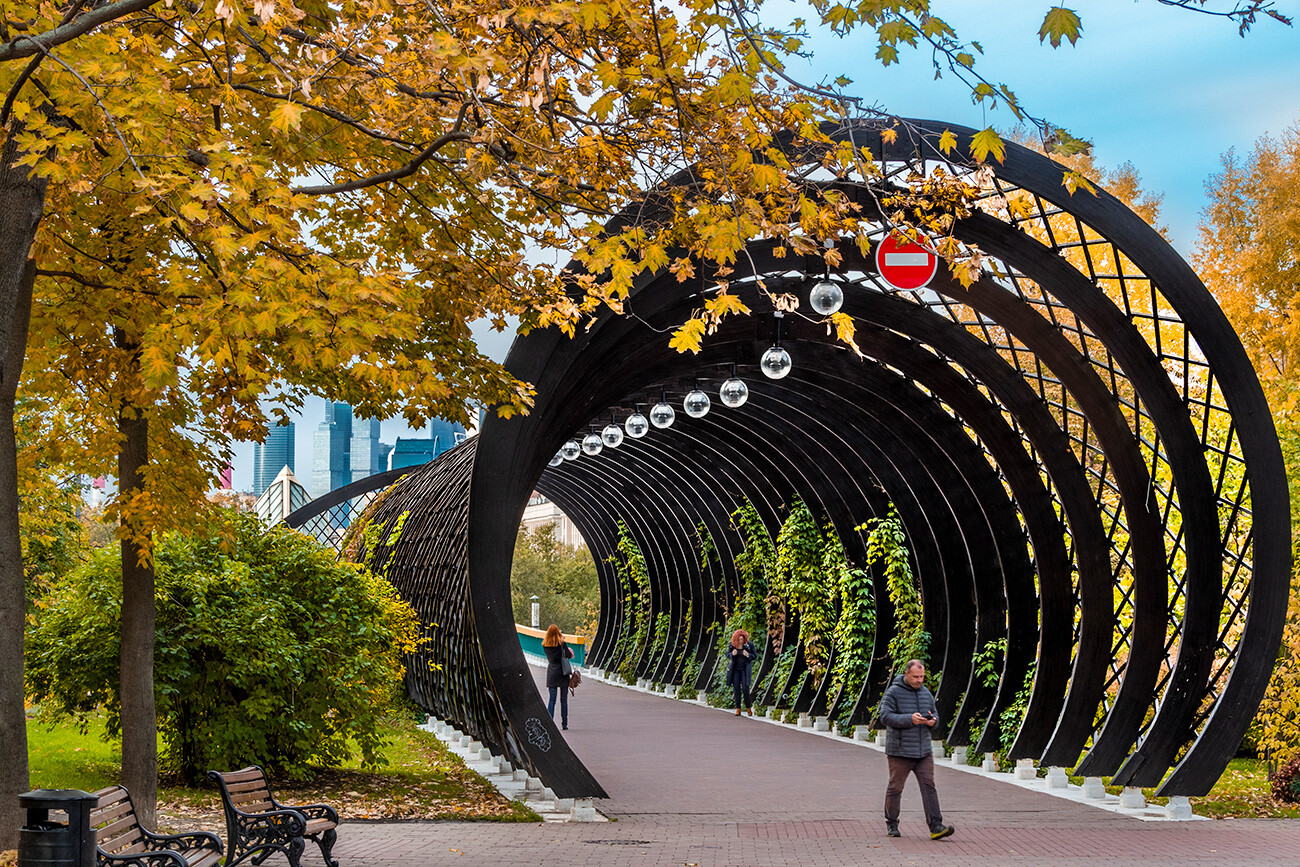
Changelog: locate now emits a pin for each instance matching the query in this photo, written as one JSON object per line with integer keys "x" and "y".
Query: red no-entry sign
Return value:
{"x": 904, "y": 264}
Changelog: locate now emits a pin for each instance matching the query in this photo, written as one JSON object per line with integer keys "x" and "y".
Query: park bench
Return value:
{"x": 121, "y": 841}
{"x": 257, "y": 824}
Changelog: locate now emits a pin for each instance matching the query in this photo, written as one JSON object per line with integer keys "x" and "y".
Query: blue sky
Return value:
{"x": 1165, "y": 89}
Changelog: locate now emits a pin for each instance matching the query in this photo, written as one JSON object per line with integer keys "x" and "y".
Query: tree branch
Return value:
{"x": 26, "y": 46}
{"x": 396, "y": 174}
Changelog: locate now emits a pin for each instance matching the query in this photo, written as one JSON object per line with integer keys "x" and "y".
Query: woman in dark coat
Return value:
{"x": 741, "y": 654}
{"x": 556, "y": 652}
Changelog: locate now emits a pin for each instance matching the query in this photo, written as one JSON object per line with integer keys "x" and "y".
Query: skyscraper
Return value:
{"x": 272, "y": 456}
{"x": 368, "y": 453}
{"x": 331, "y": 452}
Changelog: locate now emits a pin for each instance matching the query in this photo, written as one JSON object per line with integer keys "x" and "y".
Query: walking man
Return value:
{"x": 908, "y": 711}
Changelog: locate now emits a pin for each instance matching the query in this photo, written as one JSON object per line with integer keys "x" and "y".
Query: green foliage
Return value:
{"x": 855, "y": 632}
{"x": 1010, "y": 718}
{"x": 988, "y": 662}
{"x": 659, "y": 641}
{"x": 779, "y": 673}
{"x": 806, "y": 584}
{"x": 269, "y": 650}
{"x": 756, "y": 565}
{"x": 634, "y": 596}
{"x": 886, "y": 542}
{"x": 562, "y": 577}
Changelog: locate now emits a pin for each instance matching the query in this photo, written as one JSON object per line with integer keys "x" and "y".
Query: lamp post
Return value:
{"x": 537, "y": 613}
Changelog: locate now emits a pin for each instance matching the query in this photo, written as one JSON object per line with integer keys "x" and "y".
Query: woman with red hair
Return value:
{"x": 741, "y": 653}
{"x": 557, "y": 653}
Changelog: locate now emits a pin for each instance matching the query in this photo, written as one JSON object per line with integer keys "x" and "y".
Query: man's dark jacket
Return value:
{"x": 902, "y": 736}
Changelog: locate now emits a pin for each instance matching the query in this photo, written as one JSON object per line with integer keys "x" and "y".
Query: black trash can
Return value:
{"x": 46, "y": 841}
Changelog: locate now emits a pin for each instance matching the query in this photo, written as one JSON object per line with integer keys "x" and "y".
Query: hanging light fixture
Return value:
{"x": 661, "y": 414}
{"x": 612, "y": 435}
{"x": 733, "y": 392}
{"x": 776, "y": 362}
{"x": 591, "y": 443}
{"x": 570, "y": 450}
{"x": 636, "y": 424}
{"x": 557, "y": 460}
{"x": 826, "y": 297}
{"x": 696, "y": 403}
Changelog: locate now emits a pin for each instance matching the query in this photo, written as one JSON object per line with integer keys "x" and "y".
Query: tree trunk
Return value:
{"x": 139, "y": 715}
{"x": 22, "y": 200}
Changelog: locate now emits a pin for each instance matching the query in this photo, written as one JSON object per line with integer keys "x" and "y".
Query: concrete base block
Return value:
{"x": 532, "y": 784}
{"x": 702, "y": 696}
{"x": 1132, "y": 798}
{"x": 670, "y": 691}
{"x": 643, "y": 683}
{"x": 583, "y": 810}
{"x": 1025, "y": 769}
{"x": 938, "y": 751}
{"x": 521, "y": 775}
{"x": 990, "y": 762}
{"x": 821, "y": 724}
{"x": 805, "y": 721}
{"x": 1092, "y": 788}
{"x": 773, "y": 712}
{"x": 1179, "y": 807}
{"x": 465, "y": 740}
{"x": 959, "y": 755}
{"x": 547, "y": 794}
{"x": 862, "y": 733}
{"x": 485, "y": 755}
{"x": 563, "y": 805}
{"x": 1056, "y": 778}
{"x": 880, "y": 739}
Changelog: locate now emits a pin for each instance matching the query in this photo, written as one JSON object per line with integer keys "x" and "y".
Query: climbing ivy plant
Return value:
{"x": 808, "y": 587}
{"x": 887, "y": 545}
{"x": 634, "y": 593}
{"x": 756, "y": 568}
{"x": 855, "y": 632}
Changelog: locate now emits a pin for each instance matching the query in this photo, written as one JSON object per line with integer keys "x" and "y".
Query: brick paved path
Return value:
{"x": 694, "y": 786}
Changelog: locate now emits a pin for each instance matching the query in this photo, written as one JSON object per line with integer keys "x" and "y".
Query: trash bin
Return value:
{"x": 45, "y": 841}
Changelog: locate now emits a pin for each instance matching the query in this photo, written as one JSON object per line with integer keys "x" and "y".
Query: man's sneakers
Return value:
{"x": 892, "y": 831}
{"x": 941, "y": 831}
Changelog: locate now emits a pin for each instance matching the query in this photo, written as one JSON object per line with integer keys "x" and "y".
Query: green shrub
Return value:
{"x": 269, "y": 650}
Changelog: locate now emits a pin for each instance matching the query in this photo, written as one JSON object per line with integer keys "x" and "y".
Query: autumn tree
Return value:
{"x": 211, "y": 204}
{"x": 1248, "y": 253}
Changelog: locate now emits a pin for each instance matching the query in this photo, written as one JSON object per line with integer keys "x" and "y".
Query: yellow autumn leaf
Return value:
{"x": 986, "y": 142}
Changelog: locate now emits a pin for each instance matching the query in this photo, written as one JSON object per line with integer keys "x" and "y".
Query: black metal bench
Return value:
{"x": 257, "y": 824}
{"x": 120, "y": 840}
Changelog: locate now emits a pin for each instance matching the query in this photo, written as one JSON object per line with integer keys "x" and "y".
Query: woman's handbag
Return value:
{"x": 574, "y": 680}
{"x": 566, "y": 667}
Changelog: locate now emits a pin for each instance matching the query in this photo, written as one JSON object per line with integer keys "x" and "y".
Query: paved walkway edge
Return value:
{"x": 514, "y": 783}
{"x": 1177, "y": 811}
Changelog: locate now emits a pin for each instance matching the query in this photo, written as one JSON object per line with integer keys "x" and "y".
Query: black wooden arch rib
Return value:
{"x": 578, "y": 379}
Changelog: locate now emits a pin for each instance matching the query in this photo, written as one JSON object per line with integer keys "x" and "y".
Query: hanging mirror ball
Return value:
{"x": 612, "y": 435}
{"x": 591, "y": 444}
{"x": 557, "y": 460}
{"x": 696, "y": 404}
{"x": 775, "y": 362}
{"x": 636, "y": 425}
{"x": 826, "y": 298}
{"x": 733, "y": 393}
{"x": 570, "y": 450}
{"x": 662, "y": 415}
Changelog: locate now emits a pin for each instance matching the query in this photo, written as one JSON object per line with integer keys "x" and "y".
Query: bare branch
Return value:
{"x": 26, "y": 46}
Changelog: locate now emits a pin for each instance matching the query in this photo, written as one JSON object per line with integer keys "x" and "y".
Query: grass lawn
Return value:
{"x": 422, "y": 780}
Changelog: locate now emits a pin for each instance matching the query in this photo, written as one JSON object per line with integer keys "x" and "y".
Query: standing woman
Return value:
{"x": 742, "y": 663}
{"x": 558, "y": 655}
